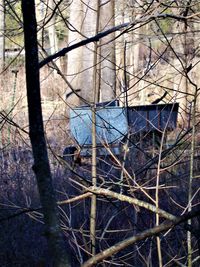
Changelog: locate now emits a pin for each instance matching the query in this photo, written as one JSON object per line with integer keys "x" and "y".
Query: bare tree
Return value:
{"x": 41, "y": 162}
{"x": 145, "y": 195}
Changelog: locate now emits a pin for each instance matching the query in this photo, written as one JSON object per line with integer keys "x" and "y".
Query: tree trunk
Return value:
{"x": 107, "y": 52}
{"x": 53, "y": 42}
{"x": 134, "y": 95}
{"x": 41, "y": 162}
{"x": 120, "y": 47}
{"x": 2, "y": 38}
{"x": 80, "y": 62}
{"x": 89, "y": 29}
{"x": 74, "y": 58}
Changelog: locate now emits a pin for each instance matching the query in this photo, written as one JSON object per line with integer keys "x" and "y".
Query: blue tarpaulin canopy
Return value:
{"x": 111, "y": 125}
{"x": 148, "y": 118}
{"x": 114, "y": 122}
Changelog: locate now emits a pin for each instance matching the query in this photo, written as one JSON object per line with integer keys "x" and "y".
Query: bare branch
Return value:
{"x": 97, "y": 37}
{"x": 80, "y": 197}
{"x": 131, "y": 200}
{"x": 145, "y": 234}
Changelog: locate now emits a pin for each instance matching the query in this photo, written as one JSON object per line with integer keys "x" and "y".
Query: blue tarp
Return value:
{"x": 113, "y": 122}
{"x": 111, "y": 125}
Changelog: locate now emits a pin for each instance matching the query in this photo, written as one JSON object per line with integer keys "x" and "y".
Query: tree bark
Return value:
{"x": 2, "y": 38}
{"x": 74, "y": 58}
{"x": 53, "y": 42}
{"x": 107, "y": 52}
{"x": 36, "y": 131}
{"x": 90, "y": 27}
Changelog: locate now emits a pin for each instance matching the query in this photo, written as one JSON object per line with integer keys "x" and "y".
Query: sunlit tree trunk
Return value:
{"x": 53, "y": 41}
{"x": 135, "y": 12}
{"x": 80, "y": 62}
{"x": 107, "y": 52}
{"x": 182, "y": 61}
{"x": 51, "y": 29}
{"x": 2, "y": 38}
{"x": 89, "y": 29}
{"x": 120, "y": 47}
{"x": 44, "y": 12}
{"x": 74, "y": 58}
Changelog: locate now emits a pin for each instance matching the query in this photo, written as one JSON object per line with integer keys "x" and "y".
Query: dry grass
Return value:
{"x": 14, "y": 103}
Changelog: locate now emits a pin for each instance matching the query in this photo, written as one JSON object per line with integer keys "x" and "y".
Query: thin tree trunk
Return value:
{"x": 160, "y": 261}
{"x": 51, "y": 29}
{"x": 2, "y": 37}
{"x": 135, "y": 82}
{"x": 41, "y": 163}
{"x": 94, "y": 143}
{"x": 120, "y": 53}
{"x": 190, "y": 191}
{"x": 53, "y": 40}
